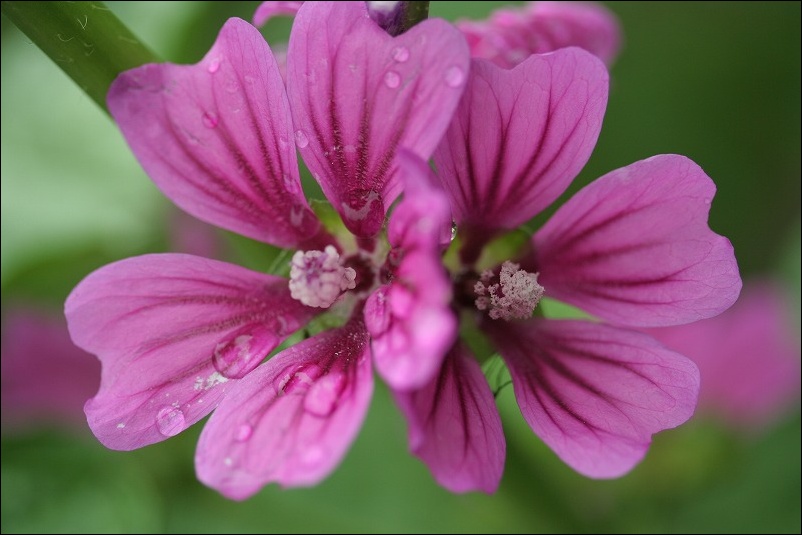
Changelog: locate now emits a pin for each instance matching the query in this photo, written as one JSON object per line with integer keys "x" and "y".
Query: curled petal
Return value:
{"x": 520, "y": 136}
{"x": 357, "y": 94}
{"x": 454, "y": 426}
{"x": 634, "y": 247}
{"x": 268, "y": 10}
{"x": 411, "y": 322}
{"x": 217, "y": 139}
{"x": 511, "y": 35}
{"x": 173, "y": 333}
{"x": 423, "y": 218}
{"x": 292, "y": 419}
{"x": 594, "y": 393}
{"x": 747, "y": 357}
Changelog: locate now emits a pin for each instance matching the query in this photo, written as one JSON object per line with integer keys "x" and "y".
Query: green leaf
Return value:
{"x": 85, "y": 39}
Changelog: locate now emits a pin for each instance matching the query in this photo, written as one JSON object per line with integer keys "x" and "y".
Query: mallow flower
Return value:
{"x": 179, "y": 336}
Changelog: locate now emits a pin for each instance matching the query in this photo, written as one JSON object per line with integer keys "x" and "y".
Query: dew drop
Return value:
{"x": 400, "y": 54}
{"x": 453, "y": 230}
{"x": 296, "y": 379}
{"x": 392, "y": 79}
{"x": 454, "y": 76}
{"x": 209, "y": 119}
{"x": 283, "y": 142}
{"x": 322, "y": 398}
{"x": 300, "y": 139}
{"x": 244, "y": 433}
{"x": 170, "y": 421}
{"x": 312, "y": 456}
{"x": 236, "y": 357}
{"x": 214, "y": 66}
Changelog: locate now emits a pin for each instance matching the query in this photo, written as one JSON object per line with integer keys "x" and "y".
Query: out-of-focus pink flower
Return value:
{"x": 268, "y": 10}
{"x": 747, "y": 357}
{"x": 46, "y": 379}
{"x": 511, "y": 35}
{"x": 179, "y": 335}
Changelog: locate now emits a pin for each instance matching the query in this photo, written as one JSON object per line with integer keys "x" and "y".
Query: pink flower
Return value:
{"x": 45, "y": 377}
{"x": 747, "y": 357}
{"x": 511, "y": 35}
{"x": 180, "y": 335}
{"x": 633, "y": 248}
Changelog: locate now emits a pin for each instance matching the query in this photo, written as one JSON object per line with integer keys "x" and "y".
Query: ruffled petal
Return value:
{"x": 747, "y": 356}
{"x": 411, "y": 322}
{"x": 173, "y": 332}
{"x": 357, "y": 94}
{"x": 292, "y": 420}
{"x": 595, "y": 393}
{"x": 511, "y": 35}
{"x": 454, "y": 426}
{"x": 634, "y": 247}
{"x": 268, "y": 10}
{"x": 520, "y": 136}
{"x": 216, "y": 137}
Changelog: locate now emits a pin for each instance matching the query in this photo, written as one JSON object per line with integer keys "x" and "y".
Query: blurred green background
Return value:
{"x": 717, "y": 82}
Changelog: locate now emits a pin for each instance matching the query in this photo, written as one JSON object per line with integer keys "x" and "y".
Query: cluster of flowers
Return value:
{"x": 510, "y": 111}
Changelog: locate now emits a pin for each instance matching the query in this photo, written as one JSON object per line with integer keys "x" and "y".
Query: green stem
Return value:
{"x": 85, "y": 39}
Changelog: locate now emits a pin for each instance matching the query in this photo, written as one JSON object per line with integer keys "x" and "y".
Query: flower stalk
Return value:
{"x": 85, "y": 39}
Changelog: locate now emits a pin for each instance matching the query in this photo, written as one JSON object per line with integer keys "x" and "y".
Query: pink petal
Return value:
{"x": 45, "y": 377}
{"x": 423, "y": 218}
{"x": 511, "y": 35}
{"x": 520, "y": 136}
{"x": 634, "y": 247}
{"x": 747, "y": 356}
{"x": 216, "y": 137}
{"x": 173, "y": 332}
{"x": 454, "y": 426}
{"x": 268, "y": 10}
{"x": 411, "y": 322}
{"x": 357, "y": 94}
{"x": 292, "y": 420}
{"x": 594, "y": 393}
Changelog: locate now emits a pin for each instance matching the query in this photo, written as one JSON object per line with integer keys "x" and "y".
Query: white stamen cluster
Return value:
{"x": 515, "y": 296}
{"x": 318, "y": 278}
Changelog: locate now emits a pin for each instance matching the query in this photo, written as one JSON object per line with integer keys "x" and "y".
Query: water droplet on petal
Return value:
{"x": 400, "y": 54}
{"x": 322, "y": 398}
{"x": 392, "y": 79}
{"x": 312, "y": 456}
{"x": 296, "y": 379}
{"x": 244, "y": 433}
{"x": 454, "y": 76}
{"x": 209, "y": 119}
{"x": 453, "y": 230}
{"x": 300, "y": 139}
{"x": 214, "y": 66}
{"x": 238, "y": 356}
{"x": 170, "y": 421}
{"x": 283, "y": 142}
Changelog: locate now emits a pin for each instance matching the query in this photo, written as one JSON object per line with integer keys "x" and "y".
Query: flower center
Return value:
{"x": 514, "y": 296}
{"x": 318, "y": 278}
